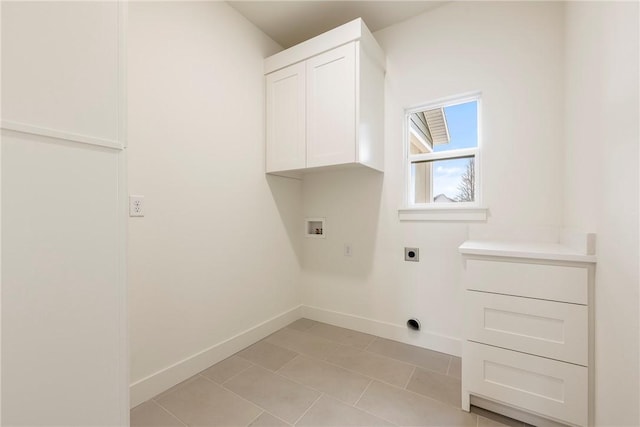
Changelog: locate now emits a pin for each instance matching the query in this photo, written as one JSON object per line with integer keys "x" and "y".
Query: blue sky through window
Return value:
{"x": 462, "y": 121}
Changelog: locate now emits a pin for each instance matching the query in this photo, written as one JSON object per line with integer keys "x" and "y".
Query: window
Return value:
{"x": 442, "y": 154}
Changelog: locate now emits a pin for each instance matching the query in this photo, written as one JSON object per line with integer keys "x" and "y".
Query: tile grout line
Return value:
{"x": 182, "y": 384}
{"x": 362, "y": 394}
{"x": 298, "y": 354}
{"x": 231, "y": 377}
{"x": 350, "y": 371}
{"x": 264, "y": 411}
{"x": 376, "y": 416}
{"x": 277, "y": 418}
{"x": 287, "y": 362}
{"x": 322, "y": 338}
{"x": 308, "y": 409}
{"x": 348, "y": 344}
{"x": 250, "y": 401}
{"x": 259, "y": 415}
{"x": 410, "y": 376}
{"x": 368, "y": 412}
{"x": 385, "y": 383}
{"x": 378, "y": 379}
{"x": 322, "y": 393}
{"x": 309, "y": 387}
{"x": 245, "y": 399}
{"x": 371, "y": 380}
{"x": 170, "y": 413}
{"x": 370, "y": 344}
{"x": 408, "y": 363}
{"x": 293, "y": 381}
{"x": 302, "y": 333}
{"x": 361, "y": 349}
{"x": 424, "y": 396}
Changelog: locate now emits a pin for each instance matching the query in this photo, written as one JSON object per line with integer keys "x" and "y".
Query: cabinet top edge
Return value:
{"x": 351, "y": 31}
{"x": 530, "y": 250}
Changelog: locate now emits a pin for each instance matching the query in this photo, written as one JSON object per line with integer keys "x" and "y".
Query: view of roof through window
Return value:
{"x": 442, "y": 129}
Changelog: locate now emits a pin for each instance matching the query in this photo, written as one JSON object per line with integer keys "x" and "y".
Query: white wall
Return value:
{"x": 601, "y": 184}
{"x": 513, "y": 53}
{"x": 216, "y": 253}
{"x": 64, "y": 355}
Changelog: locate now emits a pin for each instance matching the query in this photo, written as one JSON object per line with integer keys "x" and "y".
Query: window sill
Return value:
{"x": 437, "y": 213}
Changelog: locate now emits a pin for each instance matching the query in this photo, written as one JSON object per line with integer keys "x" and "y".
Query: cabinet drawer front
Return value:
{"x": 550, "y": 282}
{"x": 544, "y": 328}
{"x": 547, "y": 387}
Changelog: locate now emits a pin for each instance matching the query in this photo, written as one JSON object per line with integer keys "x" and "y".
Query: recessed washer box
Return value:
{"x": 315, "y": 227}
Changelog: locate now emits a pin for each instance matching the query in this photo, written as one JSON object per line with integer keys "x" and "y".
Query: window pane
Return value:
{"x": 443, "y": 181}
{"x": 461, "y": 122}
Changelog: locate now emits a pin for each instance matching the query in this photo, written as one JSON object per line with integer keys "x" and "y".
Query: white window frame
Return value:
{"x": 460, "y": 211}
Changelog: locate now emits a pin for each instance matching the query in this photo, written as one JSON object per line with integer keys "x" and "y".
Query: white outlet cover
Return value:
{"x": 136, "y": 205}
{"x": 348, "y": 249}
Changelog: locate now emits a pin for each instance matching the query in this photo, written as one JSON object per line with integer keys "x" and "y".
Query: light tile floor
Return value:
{"x": 314, "y": 374}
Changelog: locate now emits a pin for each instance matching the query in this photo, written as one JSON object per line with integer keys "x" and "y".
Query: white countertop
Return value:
{"x": 531, "y": 250}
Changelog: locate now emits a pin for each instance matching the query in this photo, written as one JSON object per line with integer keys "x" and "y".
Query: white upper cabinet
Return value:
{"x": 324, "y": 103}
{"x": 286, "y": 118}
{"x": 331, "y": 107}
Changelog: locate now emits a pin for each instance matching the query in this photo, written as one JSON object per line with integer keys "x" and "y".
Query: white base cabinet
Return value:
{"x": 544, "y": 386}
{"x": 325, "y": 103}
{"x": 528, "y": 341}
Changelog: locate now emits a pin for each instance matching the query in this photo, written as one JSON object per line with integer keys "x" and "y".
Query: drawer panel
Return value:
{"x": 546, "y": 387}
{"x": 544, "y": 328}
{"x": 550, "y": 282}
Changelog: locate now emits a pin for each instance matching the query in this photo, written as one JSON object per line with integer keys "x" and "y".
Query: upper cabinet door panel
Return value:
{"x": 286, "y": 118}
{"x": 331, "y": 107}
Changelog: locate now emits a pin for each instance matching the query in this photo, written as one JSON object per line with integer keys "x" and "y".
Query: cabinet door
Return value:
{"x": 331, "y": 107}
{"x": 546, "y": 387}
{"x": 286, "y": 119}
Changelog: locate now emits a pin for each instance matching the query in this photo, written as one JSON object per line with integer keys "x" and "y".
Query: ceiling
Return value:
{"x": 292, "y": 22}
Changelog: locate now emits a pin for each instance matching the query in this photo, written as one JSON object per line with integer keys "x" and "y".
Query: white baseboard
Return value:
{"x": 146, "y": 388}
{"x": 425, "y": 339}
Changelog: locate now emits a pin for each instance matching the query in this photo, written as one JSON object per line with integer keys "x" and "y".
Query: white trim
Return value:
{"x": 351, "y": 31}
{"x": 584, "y": 243}
{"x": 444, "y": 155}
{"x": 59, "y": 134}
{"x": 1, "y": 233}
{"x": 123, "y": 207}
{"x": 123, "y": 13}
{"x": 123, "y": 318}
{"x": 150, "y": 386}
{"x": 474, "y": 210}
{"x": 513, "y": 412}
{"x": 446, "y": 102}
{"x": 392, "y": 331}
{"x": 443, "y": 213}
{"x": 528, "y": 250}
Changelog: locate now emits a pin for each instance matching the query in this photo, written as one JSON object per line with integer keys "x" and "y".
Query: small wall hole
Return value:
{"x": 413, "y": 324}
